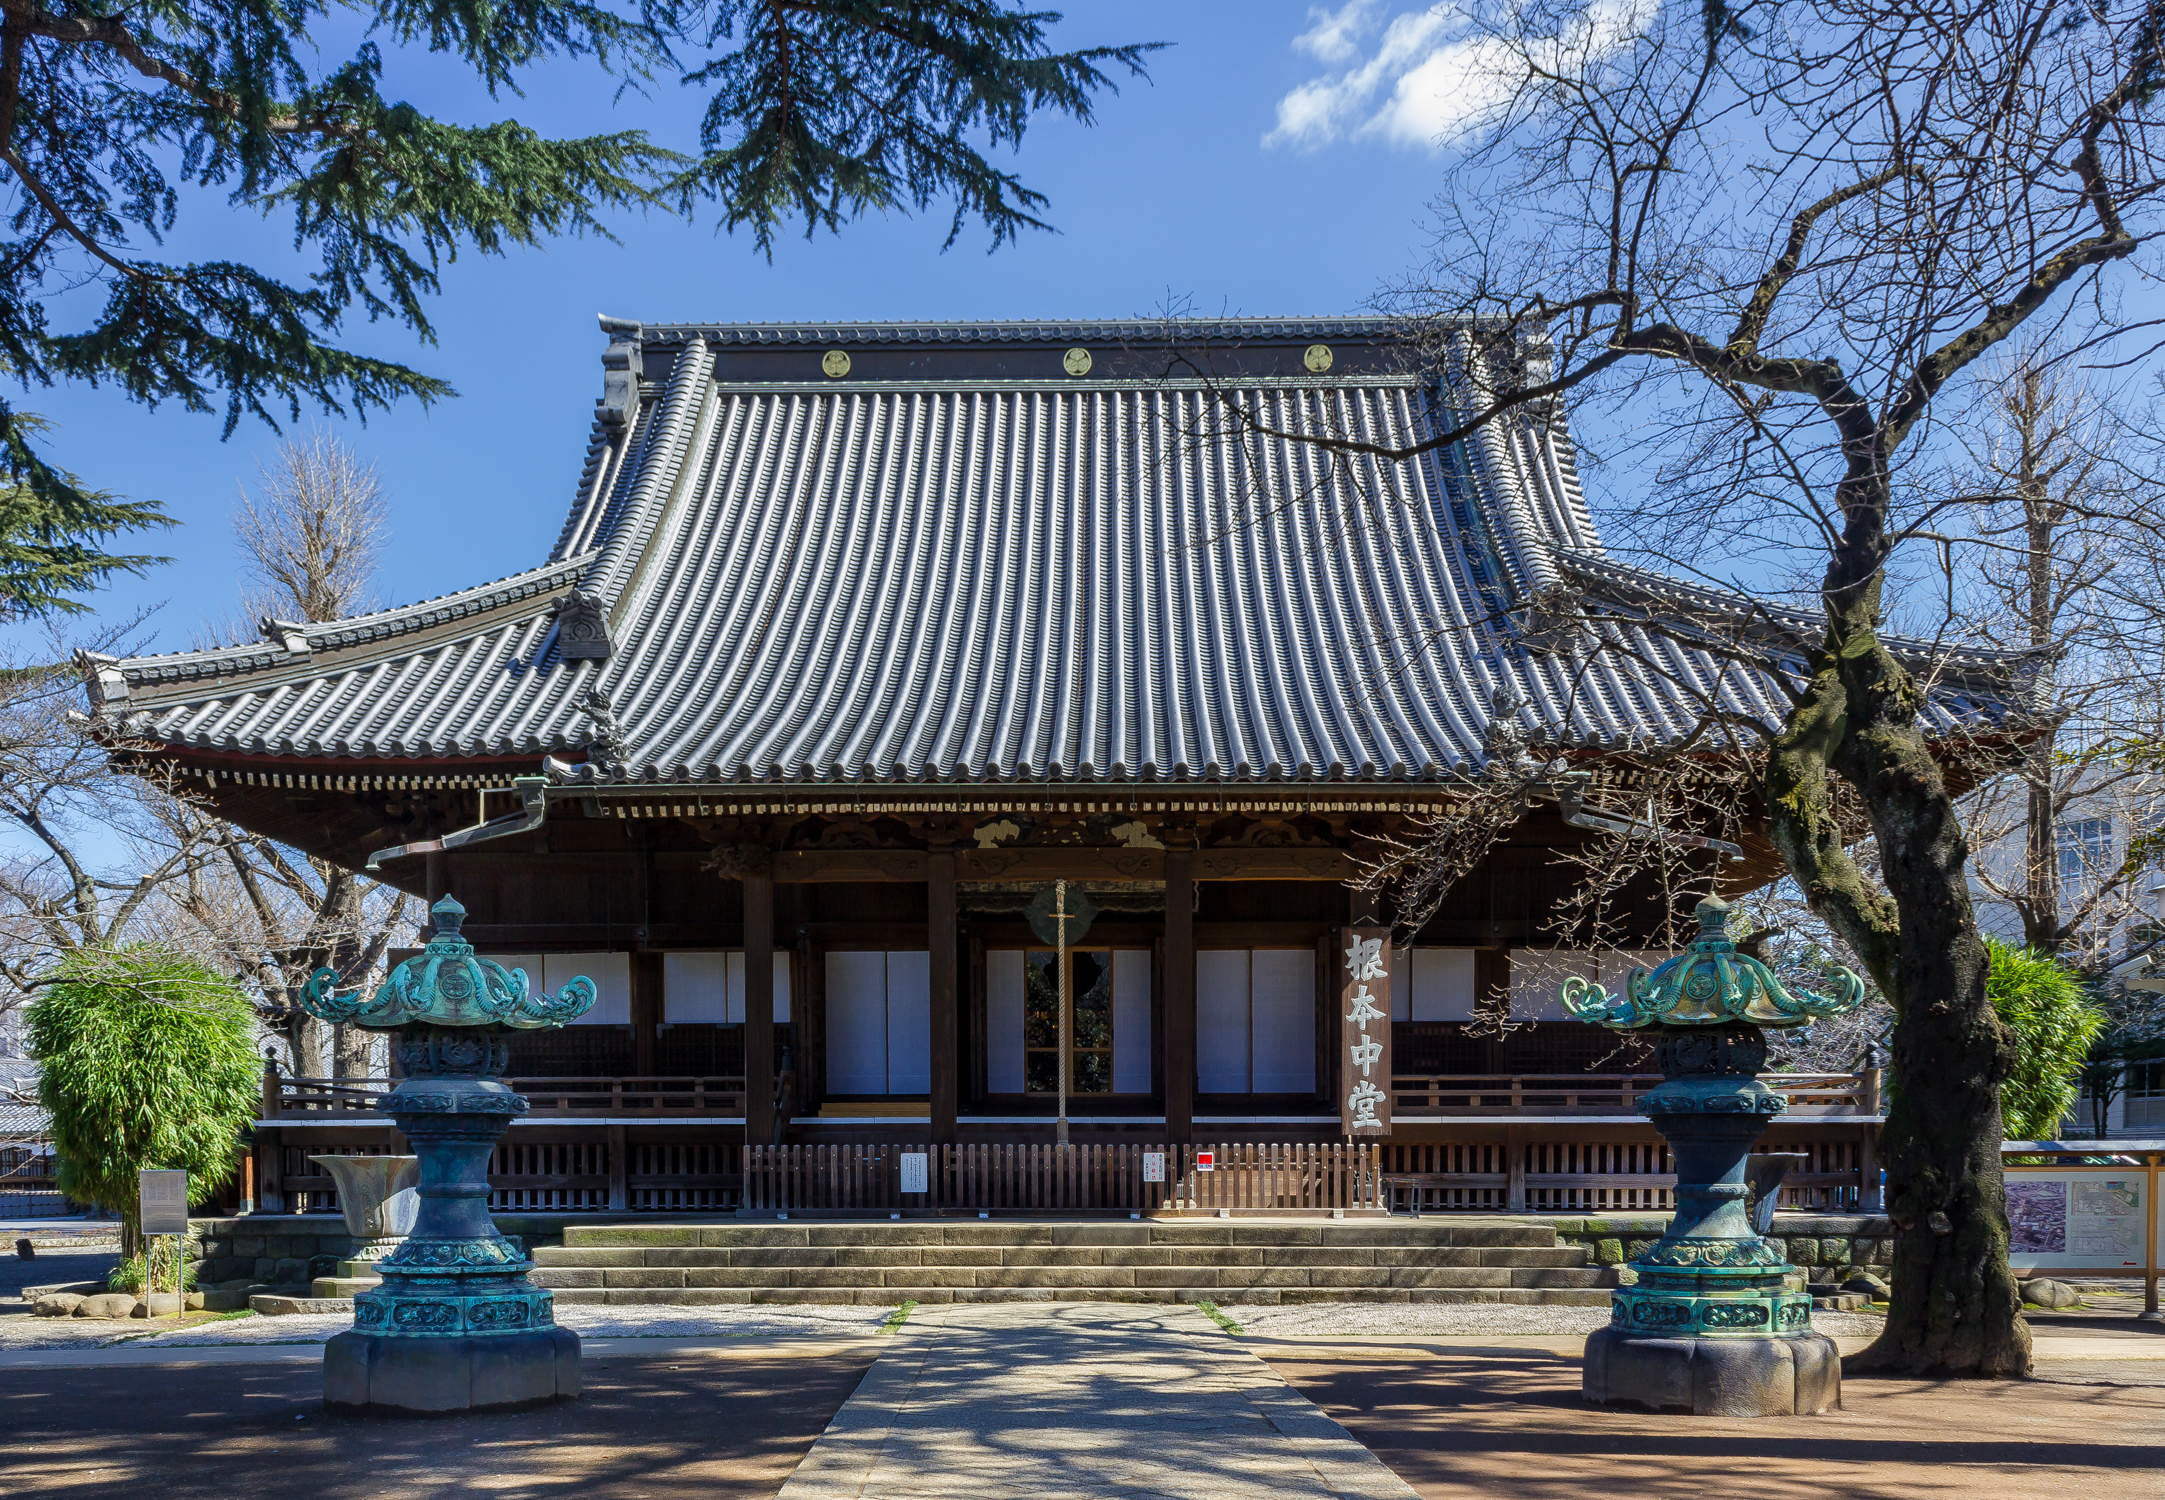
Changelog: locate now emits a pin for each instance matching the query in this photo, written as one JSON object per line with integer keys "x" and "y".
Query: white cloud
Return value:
{"x": 1335, "y": 37}
{"x": 1429, "y": 75}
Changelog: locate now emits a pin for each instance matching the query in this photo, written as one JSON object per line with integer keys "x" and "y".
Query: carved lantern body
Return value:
{"x": 1711, "y": 1326}
{"x": 456, "y": 1325}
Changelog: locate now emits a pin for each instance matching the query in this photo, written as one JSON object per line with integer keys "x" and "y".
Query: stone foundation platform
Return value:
{"x": 1791, "y": 1374}
{"x": 388, "y": 1375}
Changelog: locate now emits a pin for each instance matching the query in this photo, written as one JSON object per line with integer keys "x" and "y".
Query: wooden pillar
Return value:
{"x": 943, "y": 940}
{"x": 646, "y": 1010}
{"x": 1178, "y": 1042}
{"x": 270, "y": 1181}
{"x": 1514, "y": 1188}
{"x": 1871, "y": 1198}
{"x": 437, "y": 872}
{"x": 619, "y": 1170}
{"x": 759, "y": 1005}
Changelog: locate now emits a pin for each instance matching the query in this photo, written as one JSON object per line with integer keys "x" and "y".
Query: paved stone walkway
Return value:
{"x": 1060, "y": 1401}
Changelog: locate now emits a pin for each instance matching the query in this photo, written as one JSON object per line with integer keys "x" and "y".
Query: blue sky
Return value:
{"x": 1189, "y": 188}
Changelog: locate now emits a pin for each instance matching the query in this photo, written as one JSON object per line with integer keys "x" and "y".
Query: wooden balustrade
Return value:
{"x": 1243, "y": 1179}
{"x": 1453, "y": 1094}
{"x": 553, "y": 1098}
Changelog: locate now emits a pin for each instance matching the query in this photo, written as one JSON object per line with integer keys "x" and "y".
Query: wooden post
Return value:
{"x": 436, "y": 871}
{"x": 942, "y": 938}
{"x": 1870, "y": 1198}
{"x": 646, "y": 1010}
{"x": 2151, "y": 1247}
{"x": 759, "y": 1005}
{"x": 1514, "y": 1182}
{"x": 619, "y": 1171}
{"x": 271, "y": 1191}
{"x": 1178, "y": 1043}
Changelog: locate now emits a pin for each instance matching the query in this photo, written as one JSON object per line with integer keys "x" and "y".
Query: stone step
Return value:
{"x": 806, "y": 1257}
{"x": 1227, "y": 1278}
{"x": 1321, "y": 1234}
{"x": 1233, "y": 1297}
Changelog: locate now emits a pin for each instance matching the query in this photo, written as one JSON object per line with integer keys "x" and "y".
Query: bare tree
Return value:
{"x": 310, "y": 535}
{"x": 2056, "y": 549}
{"x": 1771, "y": 237}
{"x": 77, "y": 816}
{"x": 122, "y": 851}
{"x": 309, "y": 539}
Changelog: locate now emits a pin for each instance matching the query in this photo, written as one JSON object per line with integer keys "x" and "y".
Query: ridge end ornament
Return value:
{"x": 582, "y": 626}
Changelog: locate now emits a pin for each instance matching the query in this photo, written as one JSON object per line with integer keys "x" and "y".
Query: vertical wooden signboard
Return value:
{"x": 162, "y": 1208}
{"x": 1364, "y": 1010}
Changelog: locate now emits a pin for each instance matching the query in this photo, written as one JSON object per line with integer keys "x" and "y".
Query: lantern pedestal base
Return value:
{"x": 1776, "y": 1375}
{"x": 389, "y": 1374}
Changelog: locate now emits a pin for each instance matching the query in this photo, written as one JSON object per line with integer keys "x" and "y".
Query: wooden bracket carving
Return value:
{"x": 735, "y": 861}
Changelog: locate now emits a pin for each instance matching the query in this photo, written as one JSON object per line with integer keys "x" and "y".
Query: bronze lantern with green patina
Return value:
{"x": 1712, "y": 1324}
{"x": 456, "y": 1324}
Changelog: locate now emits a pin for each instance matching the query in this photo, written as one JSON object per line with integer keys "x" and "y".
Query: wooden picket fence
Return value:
{"x": 1242, "y": 1179}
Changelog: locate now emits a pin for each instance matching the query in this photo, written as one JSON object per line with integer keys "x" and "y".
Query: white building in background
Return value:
{"x": 2090, "y": 846}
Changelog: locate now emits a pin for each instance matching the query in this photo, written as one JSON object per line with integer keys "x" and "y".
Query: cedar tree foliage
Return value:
{"x": 146, "y": 1060}
{"x": 112, "y": 117}
{"x": 2054, "y": 1023}
{"x": 1772, "y": 236}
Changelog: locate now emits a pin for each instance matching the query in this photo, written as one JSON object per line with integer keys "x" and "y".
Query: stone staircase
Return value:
{"x": 1003, "y": 1260}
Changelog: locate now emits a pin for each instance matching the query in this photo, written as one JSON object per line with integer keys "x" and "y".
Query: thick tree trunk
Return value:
{"x": 1955, "y": 1308}
{"x": 350, "y": 1051}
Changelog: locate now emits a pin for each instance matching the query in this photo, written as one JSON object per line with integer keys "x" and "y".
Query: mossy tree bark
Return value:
{"x": 1955, "y": 1307}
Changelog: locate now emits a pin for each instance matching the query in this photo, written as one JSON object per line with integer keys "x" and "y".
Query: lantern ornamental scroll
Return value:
{"x": 1364, "y": 1009}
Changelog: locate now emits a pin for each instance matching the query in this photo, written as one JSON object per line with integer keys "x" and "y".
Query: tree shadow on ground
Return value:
{"x": 1511, "y": 1426}
{"x": 713, "y": 1422}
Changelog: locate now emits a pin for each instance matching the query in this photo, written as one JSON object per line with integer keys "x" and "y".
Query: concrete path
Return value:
{"x": 1057, "y": 1400}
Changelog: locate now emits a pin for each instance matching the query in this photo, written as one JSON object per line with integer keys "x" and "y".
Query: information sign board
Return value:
{"x": 2063, "y": 1219}
{"x": 162, "y": 1200}
{"x": 916, "y": 1171}
{"x": 1206, "y": 1161}
{"x": 1153, "y": 1166}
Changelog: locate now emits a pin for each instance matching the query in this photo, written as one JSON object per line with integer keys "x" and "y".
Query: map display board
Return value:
{"x": 2063, "y": 1220}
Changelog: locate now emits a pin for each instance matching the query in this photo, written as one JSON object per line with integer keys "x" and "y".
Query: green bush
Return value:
{"x": 146, "y": 1060}
{"x": 2054, "y": 1024}
{"x": 128, "y": 1276}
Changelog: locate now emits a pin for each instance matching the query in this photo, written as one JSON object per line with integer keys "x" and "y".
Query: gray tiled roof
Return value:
{"x": 18, "y": 1086}
{"x": 951, "y": 577}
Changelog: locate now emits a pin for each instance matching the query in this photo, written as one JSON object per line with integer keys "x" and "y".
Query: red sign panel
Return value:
{"x": 1206, "y": 1161}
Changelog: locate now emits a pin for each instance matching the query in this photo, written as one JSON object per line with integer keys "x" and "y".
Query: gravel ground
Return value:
{"x": 1439, "y": 1320}
{"x": 593, "y": 1322}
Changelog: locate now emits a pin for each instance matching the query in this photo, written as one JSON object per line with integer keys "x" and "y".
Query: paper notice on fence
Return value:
{"x": 1153, "y": 1166}
{"x": 915, "y": 1171}
{"x": 2104, "y": 1219}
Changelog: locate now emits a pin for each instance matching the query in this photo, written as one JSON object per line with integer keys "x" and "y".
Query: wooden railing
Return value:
{"x": 530, "y": 1176}
{"x": 1609, "y": 1177}
{"x": 1242, "y": 1179}
{"x": 1810, "y": 1094}
{"x": 568, "y": 1098}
